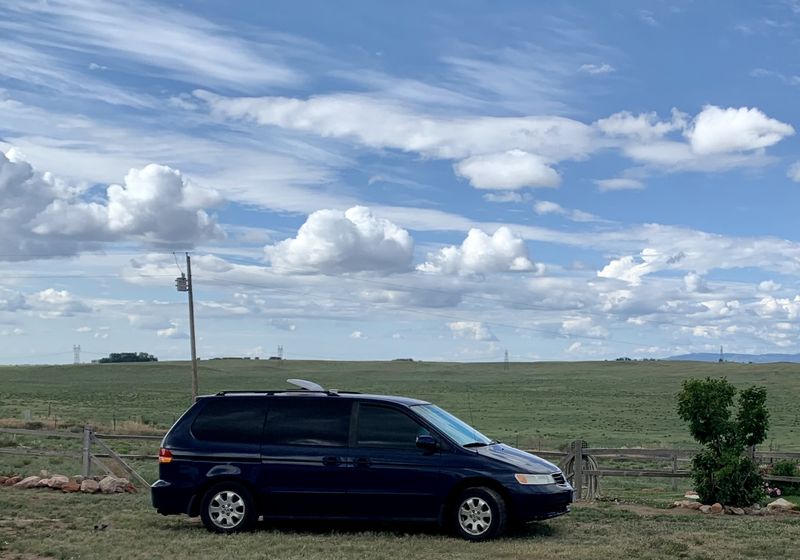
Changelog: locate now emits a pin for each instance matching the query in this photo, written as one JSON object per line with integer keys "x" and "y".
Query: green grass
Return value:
{"x": 529, "y": 405}
{"x": 606, "y": 403}
{"x": 42, "y": 523}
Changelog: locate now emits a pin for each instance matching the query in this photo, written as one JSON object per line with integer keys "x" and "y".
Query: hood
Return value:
{"x": 521, "y": 461}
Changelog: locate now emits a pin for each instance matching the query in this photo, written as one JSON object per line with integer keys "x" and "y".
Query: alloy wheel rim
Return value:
{"x": 226, "y": 509}
{"x": 475, "y": 516}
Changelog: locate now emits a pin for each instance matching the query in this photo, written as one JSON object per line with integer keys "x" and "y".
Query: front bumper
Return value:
{"x": 531, "y": 503}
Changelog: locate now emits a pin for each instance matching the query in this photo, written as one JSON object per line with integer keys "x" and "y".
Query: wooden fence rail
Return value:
{"x": 579, "y": 462}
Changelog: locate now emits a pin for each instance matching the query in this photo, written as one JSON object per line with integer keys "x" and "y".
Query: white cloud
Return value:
{"x": 643, "y": 127}
{"x": 582, "y": 326}
{"x": 84, "y": 329}
{"x": 596, "y": 68}
{"x": 768, "y": 286}
{"x": 331, "y": 241}
{"x": 16, "y": 331}
{"x": 358, "y": 335}
{"x": 57, "y": 303}
{"x": 506, "y": 196}
{"x": 472, "y": 330}
{"x": 770, "y": 306}
{"x": 794, "y": 172}
{"x": 543, "y": 207}
{"x": 618, "y": 184}
{"x": 481, "y": 254}
{"x": 716, "y": 130}
{"x": 509, "y": 170}
{"x": 13, "y": 302}
{"x": 44, "y": 215}
{"x": 173, "y": 331}
{"x": 695, "y": 283}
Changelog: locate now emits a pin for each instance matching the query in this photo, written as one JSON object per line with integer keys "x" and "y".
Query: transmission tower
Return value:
{"x": 76, "y": 353}
{"x": 505, "y": 362}
{"x": 280, "y": 351}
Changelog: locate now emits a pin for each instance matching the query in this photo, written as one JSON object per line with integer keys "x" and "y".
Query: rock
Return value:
{"x": 90, "y": 486}
{"x": 737, "y": 511}
{"x": 58, "y": 481}
{"x": 111, "y": 484}
{"x": 694, "y": 505}
{"x": 130, "y": 488}
{"x": 691, "y": 495}
{"x": 78, "y": 479}
{"x": 3, "y": 479}
{"x": 780, "y": 505}
{"x": 12, "y": 480}
{"x": 43, "y": 483}
{"x": 70, "y": 487}
{"x": 28, "y": 482}
{"x": 705, "y": 509}
{"x": 716, "y": 508}
{"x": 44, "y": 473}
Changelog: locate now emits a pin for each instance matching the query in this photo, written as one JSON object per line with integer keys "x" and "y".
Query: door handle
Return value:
{"x": 331, "y": 461}
{"x": 362, "y": 462}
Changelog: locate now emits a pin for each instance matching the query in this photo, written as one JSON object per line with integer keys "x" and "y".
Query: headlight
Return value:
{"x": 535, "y": 478}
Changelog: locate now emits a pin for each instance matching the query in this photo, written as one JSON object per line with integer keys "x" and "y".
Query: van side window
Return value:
{"x": 230, "y": 420}
{"x": 380, "y": 426}
{"x": 304, "y": 421}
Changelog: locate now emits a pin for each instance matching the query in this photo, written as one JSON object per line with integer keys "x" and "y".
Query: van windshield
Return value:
{"x": 460, "y": 432}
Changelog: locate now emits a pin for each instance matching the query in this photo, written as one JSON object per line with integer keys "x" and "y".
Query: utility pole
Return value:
{"x": 184, "y": 284}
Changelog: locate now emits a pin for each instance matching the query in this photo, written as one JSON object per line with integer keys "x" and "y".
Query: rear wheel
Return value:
{"x": 228, "y": 507}
{"x": 479, "y": 514}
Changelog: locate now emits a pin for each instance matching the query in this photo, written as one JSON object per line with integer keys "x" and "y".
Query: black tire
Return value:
{"x": 228, "y": 507}
{"x": 479, "y": 514}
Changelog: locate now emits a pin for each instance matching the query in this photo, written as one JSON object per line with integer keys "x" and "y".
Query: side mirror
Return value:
{"x": 427, "y": 442}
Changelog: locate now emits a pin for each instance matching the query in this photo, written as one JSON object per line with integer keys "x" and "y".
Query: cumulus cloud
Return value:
{"x": 695, "y": 283}
{"x": 644, "y": 126}
{"x": 472, "y": 330}
{"x": 509, "y": 170}
{"x": 172, "y": 331}
{"x": 582, "y": 326}
{"x": 481, "y": 254}
{"x": 57, "y": 303}
{"x": 11, "y": 301}
{"x": 596, "y": 68}
{"x": 44, "y": 216}
{"x": 358, "y": 335}
{"x": 716, "y": 130}
{"x": 331, "y": 241}
{"x": 618, "y": 184}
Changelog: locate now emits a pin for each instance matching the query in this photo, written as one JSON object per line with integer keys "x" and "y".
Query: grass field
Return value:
{"x": 606, "y": 403}
{"x": 530, "y": 405}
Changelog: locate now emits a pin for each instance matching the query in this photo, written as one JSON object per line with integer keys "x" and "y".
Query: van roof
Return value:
{"x": 407, "y": 401}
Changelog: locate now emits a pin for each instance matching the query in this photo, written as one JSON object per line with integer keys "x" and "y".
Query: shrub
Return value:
{"x": 721, "y": 471}
{"x": 787, "y": 468}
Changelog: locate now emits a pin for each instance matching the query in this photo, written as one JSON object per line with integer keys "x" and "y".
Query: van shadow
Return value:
{"x": 397, "y": 529}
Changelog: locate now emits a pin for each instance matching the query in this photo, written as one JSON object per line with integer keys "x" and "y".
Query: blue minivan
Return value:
{"x": 311, "y": 453}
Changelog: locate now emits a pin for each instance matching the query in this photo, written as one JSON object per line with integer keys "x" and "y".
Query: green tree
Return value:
{"x": 721, "y": 471}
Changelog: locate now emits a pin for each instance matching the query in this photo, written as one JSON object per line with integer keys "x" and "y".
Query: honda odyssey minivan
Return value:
{"x": 311, "y": 453}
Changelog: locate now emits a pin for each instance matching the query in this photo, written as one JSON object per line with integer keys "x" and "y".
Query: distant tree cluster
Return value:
{"x": 120, "y": 357}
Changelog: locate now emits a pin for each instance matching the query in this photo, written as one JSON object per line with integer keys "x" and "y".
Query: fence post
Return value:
{"x": 87, "y": 450}
{"x": 577, "y": 447}
{"x": 674, "y": 469}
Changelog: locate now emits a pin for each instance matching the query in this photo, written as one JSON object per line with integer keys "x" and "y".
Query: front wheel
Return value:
{"x": 228, "y": 507}
{"x": 479, "y": 514}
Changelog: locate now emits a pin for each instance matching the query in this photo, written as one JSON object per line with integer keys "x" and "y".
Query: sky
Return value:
{"x": 451, "y": 180}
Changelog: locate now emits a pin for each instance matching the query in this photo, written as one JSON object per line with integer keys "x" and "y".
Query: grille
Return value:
{"x": 559, "y": 478}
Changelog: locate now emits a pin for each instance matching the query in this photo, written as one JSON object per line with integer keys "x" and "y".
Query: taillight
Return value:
{"x": 164, "y": 455}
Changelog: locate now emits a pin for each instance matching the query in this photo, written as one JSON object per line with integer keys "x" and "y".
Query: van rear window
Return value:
{"x": 232, "y": 420}
{"x": 303, "y": 421}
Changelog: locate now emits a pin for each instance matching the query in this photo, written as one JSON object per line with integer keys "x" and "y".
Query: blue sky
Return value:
{"x": 365, "y": 180}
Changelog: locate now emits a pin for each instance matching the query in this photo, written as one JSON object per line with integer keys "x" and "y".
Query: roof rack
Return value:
{"x": 331, "y": 392}
{"x": 305, "y": 387}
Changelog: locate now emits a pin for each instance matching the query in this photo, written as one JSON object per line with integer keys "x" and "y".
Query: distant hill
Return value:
{"x": 745, "y": 358}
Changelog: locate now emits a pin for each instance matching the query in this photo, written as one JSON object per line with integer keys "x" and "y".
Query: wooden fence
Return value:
{"x": 581, "y": 467}
{"x": 579, "y": 463}
{"x": 90, "y": 457}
